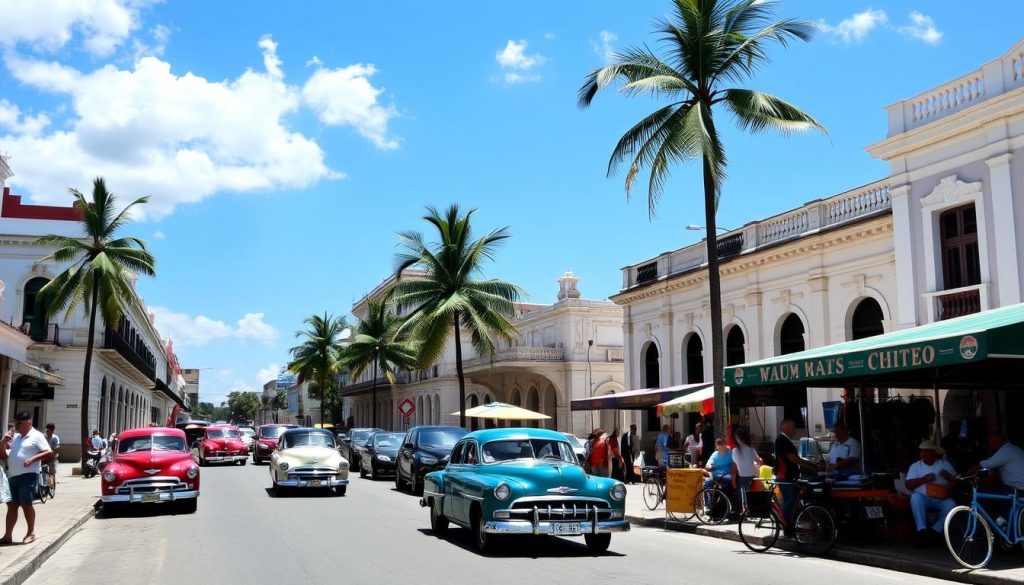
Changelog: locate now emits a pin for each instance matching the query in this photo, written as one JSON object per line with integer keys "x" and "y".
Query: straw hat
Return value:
{"x": 930, "y": 445}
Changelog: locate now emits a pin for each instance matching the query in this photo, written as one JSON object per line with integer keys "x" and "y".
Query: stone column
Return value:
{"x": 903, "y": 240}
{"x": 1004, "y": 230}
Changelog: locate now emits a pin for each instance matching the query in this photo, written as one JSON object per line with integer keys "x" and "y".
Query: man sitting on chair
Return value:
{"x": 844, "y": 454}
{"x": 930, "y": 479}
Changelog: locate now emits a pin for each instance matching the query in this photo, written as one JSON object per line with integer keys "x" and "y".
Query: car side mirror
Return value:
{"x": 407, "y": 446}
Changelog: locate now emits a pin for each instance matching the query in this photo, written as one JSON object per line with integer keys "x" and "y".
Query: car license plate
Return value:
{"x": 149, "y": 498}
{"x": 315, "y": 483}
{"x": 875, "y": 512}
{"x": 566, "y": 528}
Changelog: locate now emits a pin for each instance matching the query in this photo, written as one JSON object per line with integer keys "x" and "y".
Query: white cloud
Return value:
{"x": 514, "y": 56}
{"x": 345, "y": 97}
{"x": 550, "y": 36}
{"x": 605, "y": 49}
{"x": 857, "y": 27}
{"x": 48, "y": 25}
{"x": 198, "y": 331}
{"x": 268, "y": 373}
{"x": 161, "y": 34}
{"x": 159, "y": 235}
{"x": 314, "y": 61}
{"x": 12, "y": 119}
{"x": 271, "y": 61}
{"x": 922, "y": 28}
{"x": 512, "y": 77}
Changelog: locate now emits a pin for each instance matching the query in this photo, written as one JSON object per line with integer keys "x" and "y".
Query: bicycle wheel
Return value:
{"x": 712, "y": 506}
{"x": 968, "y": 537}
{"x": 652, "y": 493}
{"x": 759, "y": 533}
{"x": 815, "y": 529}
{"x": 42, "y": 488}
{"x": 52, "y": 481}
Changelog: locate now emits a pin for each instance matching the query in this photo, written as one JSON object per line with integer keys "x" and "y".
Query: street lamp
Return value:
{"x": 590, "y": 378}
{"x": 697, "y": 228}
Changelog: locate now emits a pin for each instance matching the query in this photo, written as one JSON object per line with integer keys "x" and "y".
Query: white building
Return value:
{"x": 935, "y": 239}
{"x": 566, "y": 350}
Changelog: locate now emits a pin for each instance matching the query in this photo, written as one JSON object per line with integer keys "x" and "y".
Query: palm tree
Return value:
{"x": 318, "y": 357}
{"x": 710, "y": 45}
{"x": 380, "y": 342}
{"x": 449, "y": 297}
{"x": 102, "y": 263}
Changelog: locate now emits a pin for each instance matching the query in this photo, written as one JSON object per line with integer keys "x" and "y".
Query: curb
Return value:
{"x": 846, "y": 555}
{"x": 19, "y": 572}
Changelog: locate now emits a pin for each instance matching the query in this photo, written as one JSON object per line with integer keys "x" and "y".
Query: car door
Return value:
{"x": 405, "y": 454}
{"x": 461, "y": 487}
{"x": 451, "y": 505}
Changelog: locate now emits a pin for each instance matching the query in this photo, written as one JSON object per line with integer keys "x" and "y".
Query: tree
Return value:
{"x": 318, "y": 357}
{"x": 102, "y": 264}
{"x": 380, "y": 342}
{"x": 243, "y": 405}
{"x": 449, "y": 297}
{"x": 710, "y": 44}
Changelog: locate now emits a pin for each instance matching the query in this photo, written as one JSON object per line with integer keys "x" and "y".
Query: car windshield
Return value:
{"x": 360, "y": 437}
{"x": 308, "y": 440}
{"x": 151, "y": 443}
{"x": 498, "y": 451}
{"x": 222, "y": 434}
{"x": 272, "y": 432}
{"x": 574, "y": 441}
{"x": 247, "y": 432}
{"x": 441, "y": 438}
{"x": 387, "y": 440}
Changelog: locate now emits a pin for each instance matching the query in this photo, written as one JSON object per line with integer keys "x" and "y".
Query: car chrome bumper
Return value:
{"x": 224, "y": 458}
{"x": 138, "y": 498}
{"x": 325, "y": 482}
{"x": 526, "y": 527}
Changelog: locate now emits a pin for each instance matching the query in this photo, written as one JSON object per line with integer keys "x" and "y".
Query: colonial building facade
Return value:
{"x": 935, "y": 239}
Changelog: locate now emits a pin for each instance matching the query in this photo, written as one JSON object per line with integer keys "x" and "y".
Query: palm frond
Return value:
{"x": 759, "y": 112}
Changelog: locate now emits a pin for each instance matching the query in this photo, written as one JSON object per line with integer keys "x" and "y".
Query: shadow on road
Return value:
{"x": 533, "y": 547}
{"x": 301, "y": 493}
{"x": 108, "y": 512}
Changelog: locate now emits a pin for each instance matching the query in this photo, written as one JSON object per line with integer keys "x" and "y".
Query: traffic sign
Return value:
{"x": 406, "y": 408}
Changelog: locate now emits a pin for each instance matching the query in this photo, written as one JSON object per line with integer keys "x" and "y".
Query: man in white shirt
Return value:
{"x": 844, "y": 453}
{"x": 24, "y": 450}
{"x": 929, "y": 479}
{"x": 1008, "y": 459}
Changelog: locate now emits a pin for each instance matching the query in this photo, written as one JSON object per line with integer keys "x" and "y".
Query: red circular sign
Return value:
{"x": 406, "y": 407}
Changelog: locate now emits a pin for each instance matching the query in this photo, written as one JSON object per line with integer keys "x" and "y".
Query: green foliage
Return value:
{"x": 207, "y": 411}
{"x": 317, "y": 358}
{"x": 243, "y": 405}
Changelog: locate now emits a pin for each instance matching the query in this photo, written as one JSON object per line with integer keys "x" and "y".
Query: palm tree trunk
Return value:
{"x": 86, "y": 372}
{"x": 322, "y": 393}
{"x": 715, "y": 294}
{"x": 373, "y": 395}
{"x": 462, "y": 377}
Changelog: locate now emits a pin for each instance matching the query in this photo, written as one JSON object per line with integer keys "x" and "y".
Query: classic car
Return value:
{"x": 377, "y": 455}
{"x": 151, "y": 465}
{"x": 266, "y": 441}
{"x": 424, "y": 449}
{"x": 523, "y": 481}
{"x": 354, "y": 441}
{"x": 577, "y": 447}
{"x": 308, "y": 458}
{"x": 220, "y": 444}
{"x": 248, "y": 437}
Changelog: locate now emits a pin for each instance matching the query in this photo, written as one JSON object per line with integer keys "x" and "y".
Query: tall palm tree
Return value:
{"x": 102, "y": 263}
{"x": 318, "y": 357}
{"x": 380, "y": 343}
{"x": 449, "y": 297}
{"x": 710, "y": 45}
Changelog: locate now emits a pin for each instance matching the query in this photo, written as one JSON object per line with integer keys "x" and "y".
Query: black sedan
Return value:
{"x": 377, "y": 456}
{"x": 353, "y": 443}
{"x": 424, "y": 449}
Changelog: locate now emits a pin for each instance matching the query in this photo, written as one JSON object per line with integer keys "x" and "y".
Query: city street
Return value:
{"x": 241, "y": 534}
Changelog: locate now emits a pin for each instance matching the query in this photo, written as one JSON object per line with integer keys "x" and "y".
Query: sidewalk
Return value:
{"x": 56, "y": 521}
{"x": 1004, "y": 569}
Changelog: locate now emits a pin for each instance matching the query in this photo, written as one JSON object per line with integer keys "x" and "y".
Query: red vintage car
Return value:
{"x": 151, "y": 465}
{"x": 220, "y": 444}
{"x": 266, "y": 441}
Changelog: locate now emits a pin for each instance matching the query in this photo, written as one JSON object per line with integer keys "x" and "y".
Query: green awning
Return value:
{"x": 983, "y": 350}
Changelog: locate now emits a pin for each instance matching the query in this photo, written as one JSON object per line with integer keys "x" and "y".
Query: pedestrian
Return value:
{"x": 745, "y": 463}
{"x": 661, "y": 446}
{"x": 693, "y": 444}
{"x": 719, "y": 466}
{"x": 54, "y": 441}
{"x": 618, "y": 465}
{"x": 707, "y": 440}
{"x": 24, "y": 448}
{"x": 629, "y": 453}
{"x": 599, "y": 461}
{"x": 787, "y": 471}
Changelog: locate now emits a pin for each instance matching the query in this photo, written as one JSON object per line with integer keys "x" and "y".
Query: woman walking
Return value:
{"x": 745, "y": 462}
{"x": 618, "y": 464}
{"x": 693, "y": 444}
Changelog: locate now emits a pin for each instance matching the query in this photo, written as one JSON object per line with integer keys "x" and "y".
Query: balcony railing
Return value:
{"x": 48, "y": 334}
{"x": 958, "y": 304}
{"x": 522, "y": 354}
{"x": 113, "y": 340}
{"x": 647, "y": 273}
{"x": 730, "y": 246}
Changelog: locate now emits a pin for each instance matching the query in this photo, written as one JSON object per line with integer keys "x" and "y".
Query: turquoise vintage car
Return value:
{"x": 523, "y": 481}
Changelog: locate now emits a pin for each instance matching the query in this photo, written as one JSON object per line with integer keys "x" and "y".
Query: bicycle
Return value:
{"x": 47, "y": 484}
{"x": 814, "y": 526}
{"x": 969, "y": 529}
{"x": 712, "y": 505}
{"x": 654, "y": 488}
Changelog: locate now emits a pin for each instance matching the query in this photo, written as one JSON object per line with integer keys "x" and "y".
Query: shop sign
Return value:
{"x": 31, "y": 392}
{"x": 681, "y": 489}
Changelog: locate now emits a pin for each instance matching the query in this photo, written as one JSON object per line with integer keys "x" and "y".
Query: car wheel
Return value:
{"x": 202, "y": 461}
{"x": 481, "y": 539}
{"x": 188, "y": 506}
{"x": 341, "y": 489}
{"x": 398, "y": 479}
{"x": 243, "y": 462}
{"x": 373, "y": 473}
{"x": 598, "y": 543}
{"x": 414, "y": 484}
{"x": 362, "y": 473}
{"x": 438, "y": 523}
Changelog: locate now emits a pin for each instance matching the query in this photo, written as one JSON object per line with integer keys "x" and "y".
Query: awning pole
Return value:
{"x": 863, "y": 438}
{"x": 937, "y": 431}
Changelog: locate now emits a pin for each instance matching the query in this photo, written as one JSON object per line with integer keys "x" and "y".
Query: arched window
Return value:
{"x": 735, "y": 354}
{"x": 652, "y": 367}
{"x": 35, "y": 308}
{"x": 867, "y": 319}
{"x": 437, "y": 410}
{"x": 791, "y": 337}
{"x": 551, "y": 408}
{"x": 533, "y": 403}
{"x": 101, "y": 414}
{"x": 694, "y": 359}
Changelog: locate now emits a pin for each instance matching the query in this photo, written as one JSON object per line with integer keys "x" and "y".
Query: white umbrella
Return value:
{"x": 502, "y": 411}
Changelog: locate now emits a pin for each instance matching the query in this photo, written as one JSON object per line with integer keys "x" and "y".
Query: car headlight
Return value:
{"x": 384, "y": 458}
{"x": 502, "y": 492}
{"x": 192, "y": 472}
{"x": 283, "y": 465}
{"x": 343, "y": 465}
{"x": 109, "y": 476}
{"x": 265, "y": 445}
{"x": 618, "y": 492}
{"x": 428, "y": 460}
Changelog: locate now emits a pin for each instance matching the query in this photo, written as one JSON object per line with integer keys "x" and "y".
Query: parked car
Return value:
{"x": 308, "y": 458}
{"x": 523, "y": 481}
{"x": 220, "y": 444}
{"x": 353, "y": 442}
{"x": 378, "y": 454}
{"x": 266, "y": 441}
{"x": 577, "y": 447}
{"x": 248, "y": 437}
{"x": 424, "y": 449}
{"x": 151, "y": 465}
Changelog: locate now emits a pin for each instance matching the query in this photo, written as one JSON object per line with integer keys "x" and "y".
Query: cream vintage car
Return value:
{"x": 308, "y": 458}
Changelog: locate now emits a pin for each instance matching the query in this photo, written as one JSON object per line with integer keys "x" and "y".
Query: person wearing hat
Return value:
{"x": 929, "y": 479}
{"x": 24, "y": 449}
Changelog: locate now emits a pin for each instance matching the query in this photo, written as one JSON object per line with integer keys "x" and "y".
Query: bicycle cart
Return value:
{"x": 813, "y": 528}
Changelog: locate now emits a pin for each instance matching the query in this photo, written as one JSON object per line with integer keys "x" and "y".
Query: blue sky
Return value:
{"x": 284, "y": 144}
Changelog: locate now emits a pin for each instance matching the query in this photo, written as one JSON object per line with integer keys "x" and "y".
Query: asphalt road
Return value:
{"x": 241, "y": 534}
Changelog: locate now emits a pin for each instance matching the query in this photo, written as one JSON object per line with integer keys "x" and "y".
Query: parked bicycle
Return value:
{"x": 969, "y": 529}
{"x": 47, "y": 487}
{"x": 713, "y": 504}
{"x": 814, "y": 526}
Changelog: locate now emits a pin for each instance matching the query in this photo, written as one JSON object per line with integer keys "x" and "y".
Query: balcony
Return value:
{"x": 115, "y": 341}
{"x": 48, "y": 334}
{"x": 957, "y": 302}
